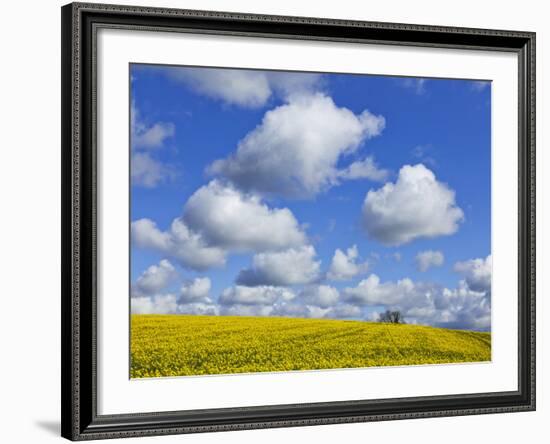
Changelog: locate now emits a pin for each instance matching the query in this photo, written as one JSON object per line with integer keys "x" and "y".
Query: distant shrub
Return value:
{"x": 392, "y": 317}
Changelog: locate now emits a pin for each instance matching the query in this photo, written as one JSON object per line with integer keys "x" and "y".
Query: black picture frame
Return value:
{"x": 80, "y": 420}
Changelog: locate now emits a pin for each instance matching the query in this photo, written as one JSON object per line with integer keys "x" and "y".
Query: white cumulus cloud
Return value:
{"x": 476, "y": 272}
{"x": 344, "y": 311}
{"x": 462, "y": 308}
{"x": 424, "y": 302}
{"x": 280, "y": 268}
{"x": 372, "y": 291}
{"x": 246, "y": 310}
{"x": 295, "y": 150}
{"x": 260, "y": 301}
{"x": 155, "y": 278}
{"x": 344, "y": 266}
{"x": 145, "y": 136}
{"x": 196, "y": 290}
{"x": 168, "y": 304}
{"x": 244, "y": 88}
{"x": 261, "y": 295}
{"x": 218, "y": 219}
{"x": 146, "y": 171}
{"x": 198, "y": 308}
{"x": 156, "y": 304}
{"x": 313, "y": 302}
{"x": 152, "y": 137}
{"x": 231, "y": 219}
{"x": 373, "y": 316}
{"x": 323, "y": 296}
{"x": 364, "y": 169}
{"x": 178, "y": 242}
{"x": 293, "y": 310}
{"x": 426, "y": 259}
{"x": 417, "y": 205}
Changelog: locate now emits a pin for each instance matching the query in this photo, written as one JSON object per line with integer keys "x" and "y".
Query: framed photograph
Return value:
{"x": 283, "y": 221}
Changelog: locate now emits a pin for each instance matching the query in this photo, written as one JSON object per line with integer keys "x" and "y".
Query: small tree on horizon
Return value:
{"x": 392, "y": 317}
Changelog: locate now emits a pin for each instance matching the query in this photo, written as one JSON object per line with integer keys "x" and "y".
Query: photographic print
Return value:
{"x": 287, "y": 221}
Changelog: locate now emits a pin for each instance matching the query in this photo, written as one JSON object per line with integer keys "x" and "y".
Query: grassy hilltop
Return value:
{"x": 180, "y": 345}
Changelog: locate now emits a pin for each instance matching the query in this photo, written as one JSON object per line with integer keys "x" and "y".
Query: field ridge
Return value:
{"x": 185, "y": 345}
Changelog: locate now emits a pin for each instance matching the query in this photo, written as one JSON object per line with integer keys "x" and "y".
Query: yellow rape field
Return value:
{"x": 181, "y": 345}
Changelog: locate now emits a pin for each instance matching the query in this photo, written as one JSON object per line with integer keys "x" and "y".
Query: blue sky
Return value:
{"x": 312, "y": 195}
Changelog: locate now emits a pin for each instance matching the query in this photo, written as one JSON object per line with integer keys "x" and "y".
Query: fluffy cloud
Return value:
{"x": 476, "y": 272}
{"x": 419, "y": 302}
{"x": 296, "y": 310}
{"x": 288, "y": 267}
{"x": 373, "y": 316}
{"x": 415, "y": 206}
{"x": 344, "y": 266}
{"x": 145, "y": 136}
{"x": 323, "y": 296}
{"x": 315, "y": 301}
{"x": 233, "y": 86}
{"x": 364, "y": 169}
{"x": 426, "y": 259}
{"x": 180, "y": 243}
{"x": 238, "y": 221}
{"x": 218, "y": 219}
{"x": 344, "y": 311}
{"x": 155, "y": 278}
{"x": 371, "y": 291}
{"x": 292, "y": 310}
{"x": 193, "y": 297}
{"x": 295, "y": 150}
{"x": 148, "y": 172}
{"x": 156, "y": 304}
{"x": 145, "y": 170}
{"x": 261, "y": 295}
{"x": 168, "y": 304}
{"x": 196, "y": 290}
{"x": 246, "y": 310}
{"x": 152, "y": 137}
{"x": 425, "y": 303}
{"x": 245, "y": 88}
{"x": 287, "y": 85}
{"x": 198, "y": 308}
{"x": 463, "y": 308}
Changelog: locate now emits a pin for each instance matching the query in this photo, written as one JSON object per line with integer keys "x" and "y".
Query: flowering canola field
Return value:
{"x": 180, "y": 345}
